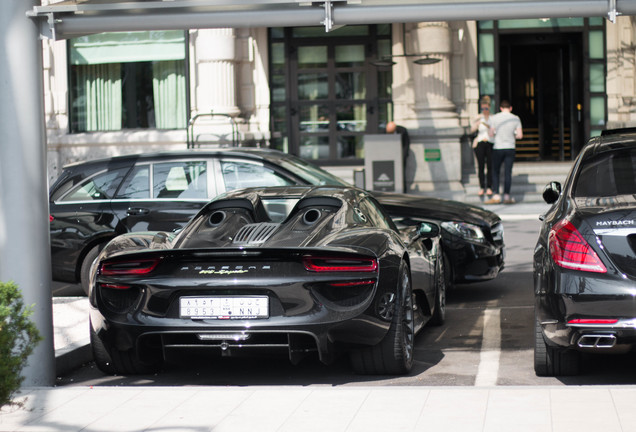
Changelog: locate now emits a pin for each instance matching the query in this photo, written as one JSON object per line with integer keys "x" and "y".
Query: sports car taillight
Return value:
{"x": 135, "y": 267}
{"x": 335, "y": 264}
{"x": 570, "y": 250}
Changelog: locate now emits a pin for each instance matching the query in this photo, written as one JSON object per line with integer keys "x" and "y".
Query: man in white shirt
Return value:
{"x": 506, "y": 128}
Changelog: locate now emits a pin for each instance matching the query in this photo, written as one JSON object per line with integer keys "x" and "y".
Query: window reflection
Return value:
{"x": 312, "y": 86}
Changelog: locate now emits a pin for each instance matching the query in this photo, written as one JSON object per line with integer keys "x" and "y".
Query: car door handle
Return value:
{"x": 137, "y": 211}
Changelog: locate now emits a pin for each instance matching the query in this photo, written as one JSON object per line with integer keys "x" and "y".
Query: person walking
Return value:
{"x": 506, "y": 129}
{"x": 482, "y": 146}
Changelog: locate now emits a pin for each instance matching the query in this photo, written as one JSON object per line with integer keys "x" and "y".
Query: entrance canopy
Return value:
{"x": 74, "y": 18}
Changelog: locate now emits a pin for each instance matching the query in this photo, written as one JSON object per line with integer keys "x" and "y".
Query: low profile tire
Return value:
{"x": 439, "y": 313}
{"x": 116, "y": 362}
{"x": 85, "y": 271}
{"x": 552, "y": 361}
{"x": 394, "y": 354}
{"x": 100, "y": 354}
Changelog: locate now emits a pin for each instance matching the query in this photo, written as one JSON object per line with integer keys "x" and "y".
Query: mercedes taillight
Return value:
{"x": 570, "y": 250}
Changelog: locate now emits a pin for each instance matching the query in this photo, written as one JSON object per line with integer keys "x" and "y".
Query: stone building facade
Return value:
{"x": 232, "y": 74}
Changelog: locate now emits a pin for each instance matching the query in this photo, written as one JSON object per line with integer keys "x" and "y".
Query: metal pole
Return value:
{"x": 24, "y": 234}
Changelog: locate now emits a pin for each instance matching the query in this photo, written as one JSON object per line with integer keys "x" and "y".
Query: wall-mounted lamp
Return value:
{"x": 387, "y": 60}
{"x": 424, "y": 59}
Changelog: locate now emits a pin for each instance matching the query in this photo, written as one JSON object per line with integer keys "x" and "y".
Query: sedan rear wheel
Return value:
{"x": 394, "y": 354}
{"x": 85, "y": 271}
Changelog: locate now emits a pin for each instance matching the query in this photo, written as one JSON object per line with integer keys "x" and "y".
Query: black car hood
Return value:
{"x": 435, "y": 208}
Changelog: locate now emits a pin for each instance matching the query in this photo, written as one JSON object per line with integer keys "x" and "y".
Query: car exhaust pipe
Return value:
{"x": 597, "y": 341}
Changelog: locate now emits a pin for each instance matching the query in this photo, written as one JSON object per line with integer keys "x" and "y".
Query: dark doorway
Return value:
{"x": 541, "y": 75}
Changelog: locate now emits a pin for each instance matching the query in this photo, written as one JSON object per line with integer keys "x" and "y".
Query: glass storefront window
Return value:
{"x": 487, "y": 80}
{"x": 350, "y": 147}
{"x": 327, "y": 94}
{"x": 384, "y": 29}
{"x": 384, "y": 48}
{"x": 352, "y": 118}
{"x": 314, "y": 147}
{"x": 541, "y": 23}
{"x": 597, "y": 44}
{"x": 385, "y": 84}
{"x": 319, "y": 32}
{"x": 597, "y": 77}
{"x": 312, "y": 56}
{"x": 128, "y": 80}
{"x": 278, "y": 54}
{"x": 597, "y": 111}
{"x": 486, "y": 47}
{"x": 486, "y": 25}
{"x": 277, "y": 32}
{"x": 349, "y": 55}
{"x": 385, "y": 113}
{"x": 279, "y": 117}
{"x": 314, "y": 118}
{"x": 278, "y": 88}
{"x": 350, "y": 85}
{"x": 312, "y": 86}
{"x": 596, "y": 21}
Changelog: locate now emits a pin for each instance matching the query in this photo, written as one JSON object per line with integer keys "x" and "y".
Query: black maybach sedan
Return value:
{"x": 305, "y": 269}
{"x": 585, "y": 258}
{"x": 92, "y": 202}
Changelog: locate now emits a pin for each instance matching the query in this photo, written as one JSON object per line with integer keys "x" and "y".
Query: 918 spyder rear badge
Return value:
{"x": 224, "y": 270}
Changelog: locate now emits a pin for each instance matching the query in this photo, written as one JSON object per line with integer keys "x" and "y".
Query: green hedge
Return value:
{"x": 18, "y": 338}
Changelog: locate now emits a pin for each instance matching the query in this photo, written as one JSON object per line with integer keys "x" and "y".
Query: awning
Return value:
{"x": 69, "y": 19}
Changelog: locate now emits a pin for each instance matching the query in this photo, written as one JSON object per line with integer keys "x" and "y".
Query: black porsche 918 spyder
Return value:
{"x": 585, "y": 258}
{"x": 304, "y": 269}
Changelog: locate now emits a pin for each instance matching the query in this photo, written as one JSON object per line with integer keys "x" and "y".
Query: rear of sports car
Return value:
{"x": 226, "y": 300}
{"x": 257, "y": 293}
{"x": 585, "y": 275}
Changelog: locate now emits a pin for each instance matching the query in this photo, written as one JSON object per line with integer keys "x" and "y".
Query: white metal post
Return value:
{"x": 24, "y": 234}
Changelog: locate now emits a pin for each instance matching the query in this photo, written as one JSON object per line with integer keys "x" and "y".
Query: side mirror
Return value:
{"x": 427, "y": 230}
{"x": 551, "y": 192}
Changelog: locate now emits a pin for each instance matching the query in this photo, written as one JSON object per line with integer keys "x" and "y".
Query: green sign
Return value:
{"x": 432, "y": 155}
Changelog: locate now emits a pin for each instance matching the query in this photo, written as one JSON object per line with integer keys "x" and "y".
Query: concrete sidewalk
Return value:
{"x": 324, "y": 409}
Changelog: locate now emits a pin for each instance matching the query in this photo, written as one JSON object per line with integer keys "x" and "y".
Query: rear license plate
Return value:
{"x": 231, "y": 307}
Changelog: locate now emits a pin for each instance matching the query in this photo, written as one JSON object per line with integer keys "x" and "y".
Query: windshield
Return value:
{"x": 311, "y": 173}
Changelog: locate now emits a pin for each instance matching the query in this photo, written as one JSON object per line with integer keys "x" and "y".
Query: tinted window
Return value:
{"x": 136, "y": 185}
{"x": 607, "y": 174}
{"x": 238, "y": 175}
{"x": 99, "y": 187}
{"x": 180, "y": 180}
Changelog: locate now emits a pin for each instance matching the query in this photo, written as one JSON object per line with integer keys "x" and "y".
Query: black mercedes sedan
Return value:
{"x": 303, "y": 269}
{"x": 92, "y": 202}
{"x": 585, "y": 258}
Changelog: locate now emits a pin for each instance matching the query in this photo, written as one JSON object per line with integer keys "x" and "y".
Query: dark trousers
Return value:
{"x": 483, "y": 152}
{"x": 505, "y": 158}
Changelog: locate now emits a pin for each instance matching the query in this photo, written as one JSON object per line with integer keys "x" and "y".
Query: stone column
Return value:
{"x": 432, "y": 83}
{"x": 215, "y": 72}
{"x": 423, "y": 104}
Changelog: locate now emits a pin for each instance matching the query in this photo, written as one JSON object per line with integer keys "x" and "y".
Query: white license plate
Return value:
{"x": 233, "y": 307}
